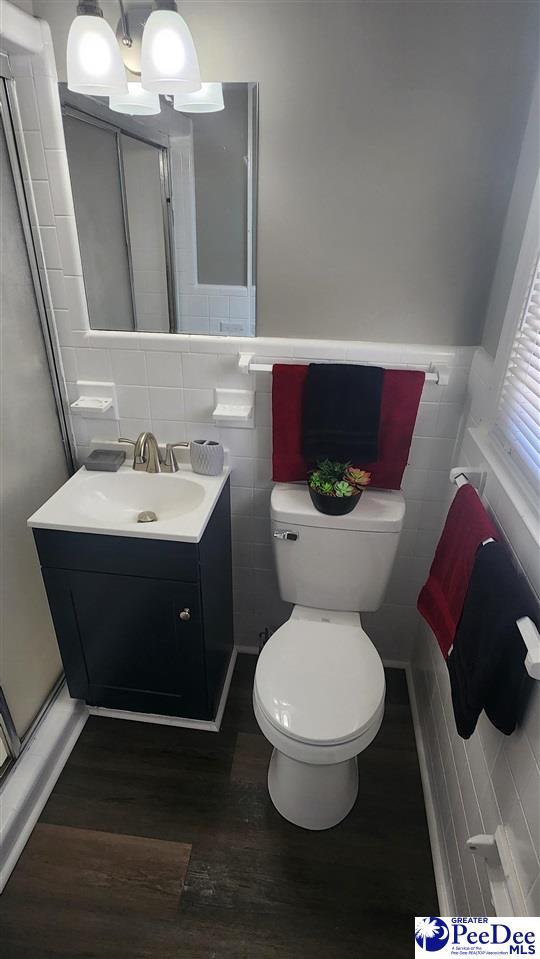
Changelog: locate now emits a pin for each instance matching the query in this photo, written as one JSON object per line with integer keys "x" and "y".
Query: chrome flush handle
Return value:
{"x": 284, "y": 534}
{"x": 185, "y": 615}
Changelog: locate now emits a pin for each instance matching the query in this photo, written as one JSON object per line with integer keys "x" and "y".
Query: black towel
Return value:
{"x": 486, "y": 664}
{"x": 341, "y": 411}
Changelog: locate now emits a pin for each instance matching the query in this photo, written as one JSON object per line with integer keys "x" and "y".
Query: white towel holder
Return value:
{"x": 439, "y": 375}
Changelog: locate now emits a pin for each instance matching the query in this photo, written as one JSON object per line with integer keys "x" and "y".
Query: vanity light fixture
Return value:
{"x": 94, "y": 64}
{"x": 136, "y": 102}
{"x": 169, "y": 62}
{"x": 209, "y": 99}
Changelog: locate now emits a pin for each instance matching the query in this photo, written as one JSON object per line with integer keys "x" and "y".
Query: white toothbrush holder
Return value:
{"x": 207, "y": 457}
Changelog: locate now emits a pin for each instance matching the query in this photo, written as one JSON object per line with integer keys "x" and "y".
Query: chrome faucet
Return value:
{"x": 146, "y": 455}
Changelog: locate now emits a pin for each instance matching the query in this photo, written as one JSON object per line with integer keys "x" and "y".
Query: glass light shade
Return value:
{"x": 209, "y": 99}
{"x": 136, "y": 102}
{"x": 169, "y": 61}
{"x": 94, "y": 64}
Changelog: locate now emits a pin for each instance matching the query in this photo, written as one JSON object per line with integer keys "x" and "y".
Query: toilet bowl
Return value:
{"x": 318, "y": 697}
{"x": 319, "y": 686}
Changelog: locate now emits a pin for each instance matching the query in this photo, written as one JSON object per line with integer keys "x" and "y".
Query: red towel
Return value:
{"x": 402, "y": 390}
{"x": 441, "y": 599}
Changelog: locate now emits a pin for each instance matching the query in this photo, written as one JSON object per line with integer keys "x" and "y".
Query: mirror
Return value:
{"x": 166, "y": 213}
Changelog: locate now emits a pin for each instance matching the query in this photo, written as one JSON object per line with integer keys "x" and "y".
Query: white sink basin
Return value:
{"x": 110, "y": 503}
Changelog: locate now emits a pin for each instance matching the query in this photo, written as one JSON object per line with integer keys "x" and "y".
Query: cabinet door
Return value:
{"x": 137, "y": 652}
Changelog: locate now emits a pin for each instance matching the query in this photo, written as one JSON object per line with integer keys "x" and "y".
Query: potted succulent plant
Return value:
{"x": 335, "y": 488}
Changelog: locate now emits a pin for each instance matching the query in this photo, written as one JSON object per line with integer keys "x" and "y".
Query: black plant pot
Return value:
{"x": 333, "y": 505}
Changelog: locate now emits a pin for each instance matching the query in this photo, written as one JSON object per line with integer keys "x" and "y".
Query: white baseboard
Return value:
{"x": 445, "y": 893}
{"x": 206, "y": 725}
{"x": 31, "y": 780}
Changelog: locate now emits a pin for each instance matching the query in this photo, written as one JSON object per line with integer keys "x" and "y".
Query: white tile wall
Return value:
{"x": 490, "y": 779}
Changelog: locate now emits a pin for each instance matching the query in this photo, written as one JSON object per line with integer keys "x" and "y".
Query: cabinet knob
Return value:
{"x": 185, "y": 615}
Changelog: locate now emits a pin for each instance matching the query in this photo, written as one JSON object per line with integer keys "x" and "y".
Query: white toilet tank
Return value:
{"x": 335, "y": 562}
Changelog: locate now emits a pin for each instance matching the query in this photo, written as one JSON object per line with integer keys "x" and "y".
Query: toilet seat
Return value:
{"x": 320, "y": 684}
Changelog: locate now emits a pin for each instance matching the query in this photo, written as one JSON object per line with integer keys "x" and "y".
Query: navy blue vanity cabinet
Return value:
{"x": 142, "y": 624}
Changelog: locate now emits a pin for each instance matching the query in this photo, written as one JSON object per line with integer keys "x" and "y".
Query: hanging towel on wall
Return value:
{"x": 401, "y": 394}
{"x": 341, "y": 411}
{"x": 486, "y": 664}
{"x": 441, "y": 599}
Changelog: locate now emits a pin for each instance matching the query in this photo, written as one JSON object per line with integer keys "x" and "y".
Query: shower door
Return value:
{"x": 33, "y": 463}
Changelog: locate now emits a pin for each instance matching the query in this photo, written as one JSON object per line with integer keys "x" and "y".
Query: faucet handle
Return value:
{"x": 170, "y": 463}
{"x": 137, "y": 459}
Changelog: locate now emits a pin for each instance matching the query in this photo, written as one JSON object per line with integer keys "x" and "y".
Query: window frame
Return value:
{"x": 514, "y": 314}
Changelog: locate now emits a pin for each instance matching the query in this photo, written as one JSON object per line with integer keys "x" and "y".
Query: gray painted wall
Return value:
{"x": 514, "y": 227}
{"x": 389, "y": 138}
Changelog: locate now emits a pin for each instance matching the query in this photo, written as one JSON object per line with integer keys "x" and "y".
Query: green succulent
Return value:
{"x": 331, "y": 471}
{"x": 326, "y": 488}
{"x": 343, "y": 488}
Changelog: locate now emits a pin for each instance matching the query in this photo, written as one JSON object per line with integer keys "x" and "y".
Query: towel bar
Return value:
{"x": 461, "y": 476}
{"x": 531, "y": 638}
{"x": 246, "y": 365}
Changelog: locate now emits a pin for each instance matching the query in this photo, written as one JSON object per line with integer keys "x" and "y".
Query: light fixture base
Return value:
{"x": 89, "y": 8}
{"x": 136, "y": 18}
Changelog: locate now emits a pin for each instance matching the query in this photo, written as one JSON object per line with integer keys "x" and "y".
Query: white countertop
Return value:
{"x": 109, "y": 503}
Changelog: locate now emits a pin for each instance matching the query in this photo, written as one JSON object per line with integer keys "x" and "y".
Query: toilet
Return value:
{"x": 319, "y": 686}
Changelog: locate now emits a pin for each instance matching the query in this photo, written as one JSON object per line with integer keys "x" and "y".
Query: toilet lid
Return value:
{"x": 320, "y": 682}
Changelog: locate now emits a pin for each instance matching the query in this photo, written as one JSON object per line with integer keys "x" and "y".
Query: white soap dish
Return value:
{"x": 92, "y": 404}
{"x": 235, "y": 408}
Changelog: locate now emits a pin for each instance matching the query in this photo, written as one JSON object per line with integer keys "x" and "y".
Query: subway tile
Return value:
{"x": 170, "y": 431}
{"x": 57, "y": 172}
{"x": 42, "y": 197}
{"x": 164, "y": 369}
{"x": 199, "y": 405}
{"x": 128, "y": 367}
{"x": 58, "y": 289}
{"x": 521, "y": 844}
{"x": 94, "y": 365}
{"x": 241, "y": 470}
{"x": 239, "y": 442}
{"x": 241, "y": 500}
{"x": 68, "y": 242}
{"x": 27, "y": 102}
{"x": 166, "y": 403}
{"x": 69, "y": 363}
{"x": 426, "y": 419}
{"x": 50, "y": 115}
{"x": 201, "y": 431}
{"x": 200, "y": 370}
{"x": 75, "y": 297}
{"x": 32, "y": 145}
{"x": 133, "y": 402}
{"x": 51, "y": 250}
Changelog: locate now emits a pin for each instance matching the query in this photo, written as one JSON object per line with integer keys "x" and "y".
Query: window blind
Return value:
{"x": 518, "y": 416}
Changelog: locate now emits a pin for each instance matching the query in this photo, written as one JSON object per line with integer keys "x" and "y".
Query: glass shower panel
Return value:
{"x": 32, "y": 468}
{"x": 96, "y": 180}
{"x": 145, "y": 190}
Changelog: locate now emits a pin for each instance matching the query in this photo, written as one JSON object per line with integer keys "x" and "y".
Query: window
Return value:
{"x": 517, "y": 424}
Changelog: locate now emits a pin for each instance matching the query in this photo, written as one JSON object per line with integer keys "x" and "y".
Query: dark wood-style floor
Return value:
{"x": 140, "y": 809}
